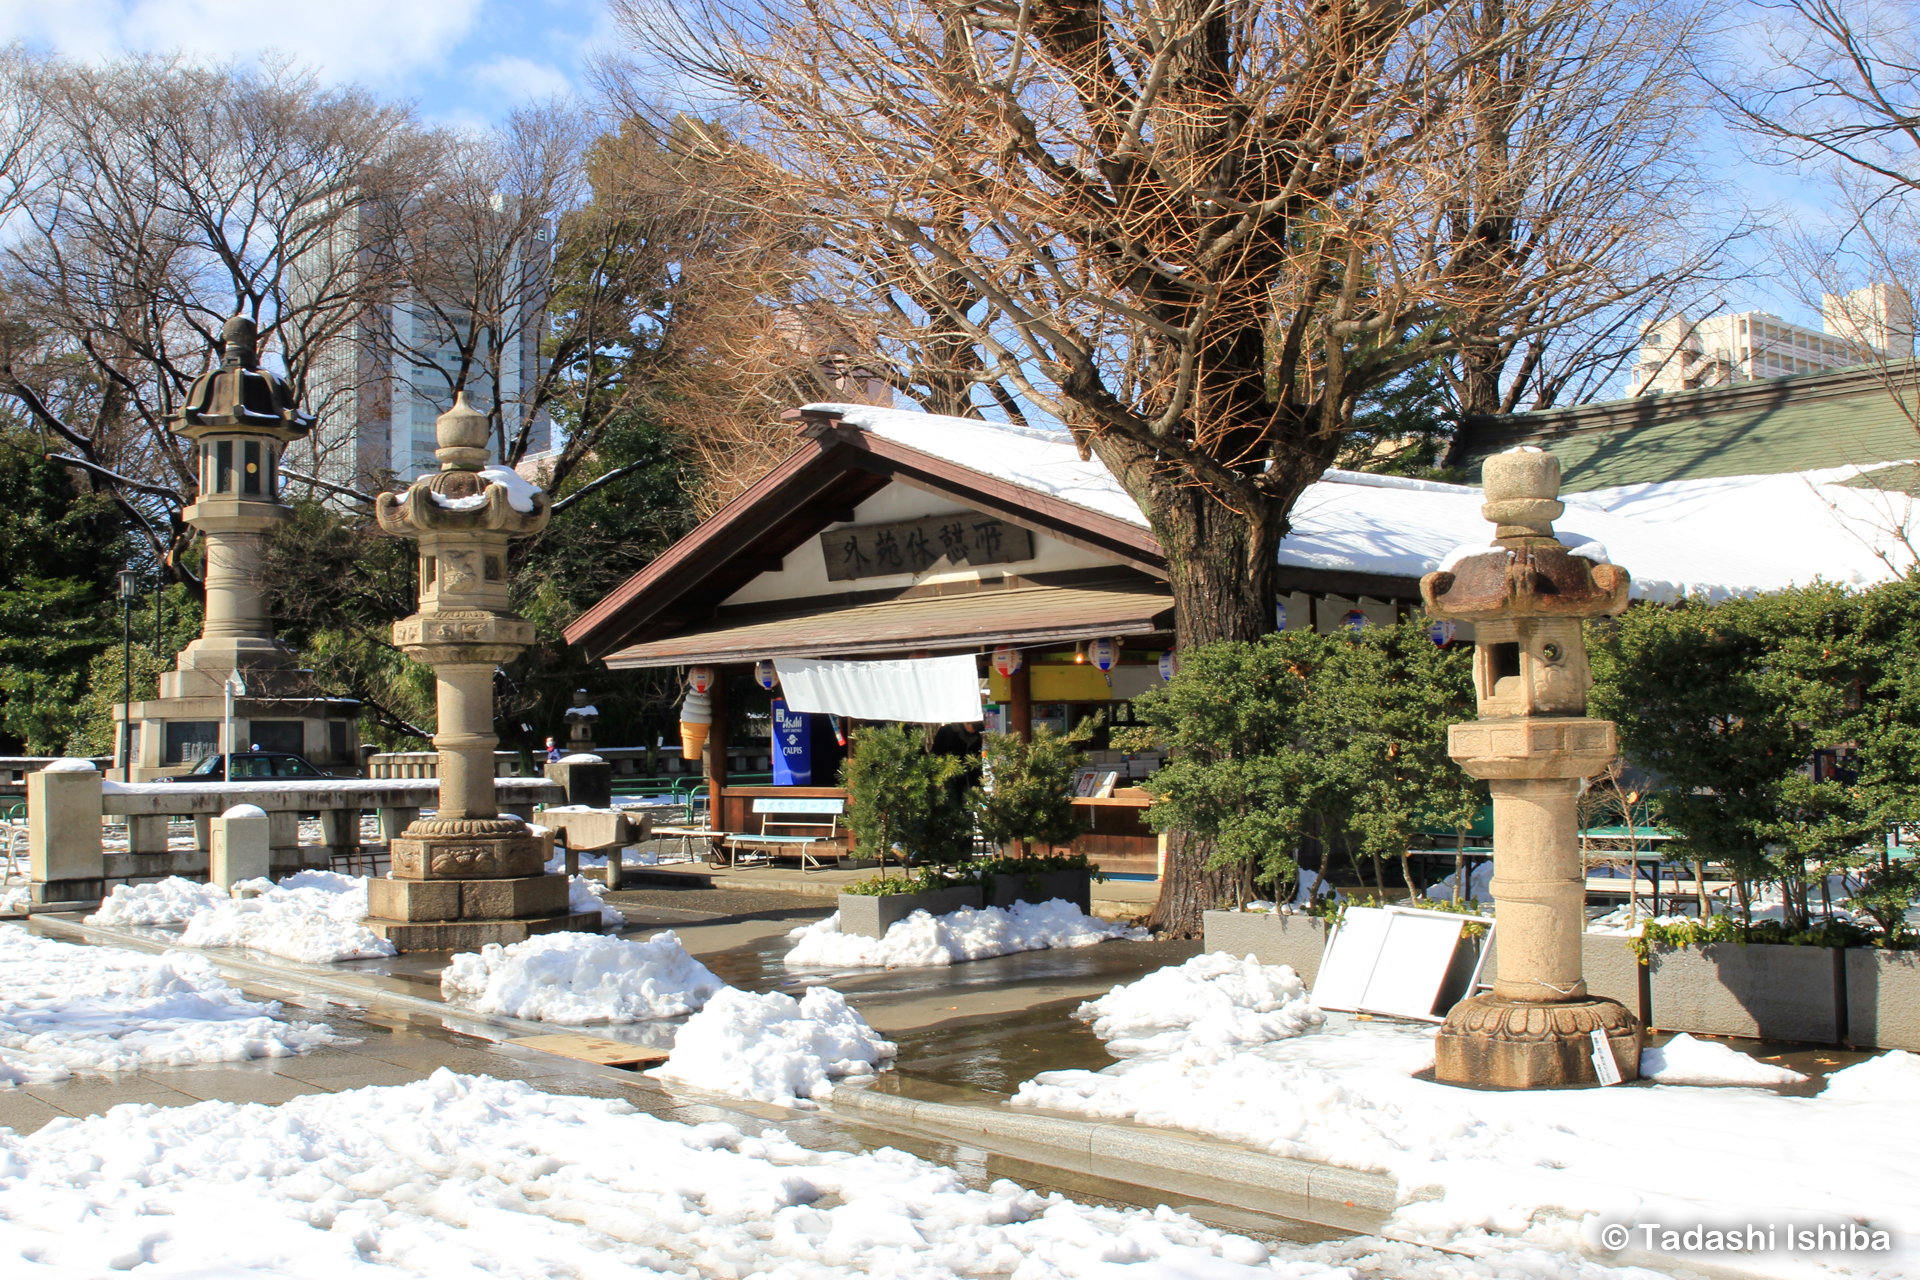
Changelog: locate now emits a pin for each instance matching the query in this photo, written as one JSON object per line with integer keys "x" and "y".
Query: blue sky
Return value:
{"x": 468, "y": 62}
{"x": 464, "y": 61}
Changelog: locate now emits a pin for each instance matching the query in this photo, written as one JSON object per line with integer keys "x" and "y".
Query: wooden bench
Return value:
{"x": 787, "y": 825}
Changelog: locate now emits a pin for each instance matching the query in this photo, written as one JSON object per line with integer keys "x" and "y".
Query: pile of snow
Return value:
{"x": 1893, "y": 1076}
{"x": 1469, "y": 1160}
{"x": 925, "y": 941}
{"x": 774, "y": 1048}
{"x": 590, "y": 895}
{"x": 14, "y": 899}
{"x": 170, "y": 901}
{"x": 1624, "y": 921}
{"x": 471, "y": 1178}
{"x": 1479, "y": 886}
{"x": 66, "y": 1008}
{"x": 1211, "y": 1000}
{"x": 1685, "y": 1060}
{"x": 70, "y": 765}
{"x": 581, "y": 757}
{"x": 576, "y": 978}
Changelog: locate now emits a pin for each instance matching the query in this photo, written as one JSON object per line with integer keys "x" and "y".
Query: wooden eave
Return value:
{"x": 832, "y": 472}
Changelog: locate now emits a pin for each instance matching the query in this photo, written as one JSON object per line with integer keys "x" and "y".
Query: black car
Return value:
{"x": 252, "y": 766}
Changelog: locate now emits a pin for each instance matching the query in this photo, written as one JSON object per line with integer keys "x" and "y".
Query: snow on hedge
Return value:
{"x": 925, "y": 941}
{"x": 66, "y": 1008}
{"x": 576, "y": 978}
{"x": 470, "y": 1178}
{"x": 1347, "y": 1094}
{"x": 774, "y": 1048}
{"x": 311, "y": 916}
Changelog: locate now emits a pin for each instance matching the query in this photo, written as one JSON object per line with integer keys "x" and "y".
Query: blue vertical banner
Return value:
{"x": 792, "y": 747}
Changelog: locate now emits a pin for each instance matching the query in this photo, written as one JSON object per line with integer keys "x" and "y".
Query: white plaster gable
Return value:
{"x": 803, "y": 570}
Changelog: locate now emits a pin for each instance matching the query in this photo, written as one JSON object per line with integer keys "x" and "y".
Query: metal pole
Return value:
{"x": 126, "y": 693}
{"x": 159, "y": 607}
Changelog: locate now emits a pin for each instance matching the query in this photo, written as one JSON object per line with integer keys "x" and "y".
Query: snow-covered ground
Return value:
{"x": 312, "y": 916}
{"x": 1344, "y": 1092}
{"x": 577, "y": 978}
{"x": 66, "y": 1008}
{"x": 774, "y": 1048}
{"x": 927, "y": 941}
{"x": 470, "y": 1178}
{"x": 14, "y": 899}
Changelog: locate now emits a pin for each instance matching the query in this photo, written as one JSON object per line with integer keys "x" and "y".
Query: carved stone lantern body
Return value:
{"x": 468, "y": 875}
{"x": 1527, "y": 596}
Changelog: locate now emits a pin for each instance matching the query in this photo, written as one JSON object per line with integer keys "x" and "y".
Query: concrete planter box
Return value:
{"x": 1075, "y": 886}
{"x": 869, "y": 916}
{"x": 1295, "y": 941}
{"x": 1762, "y": 990}
{"x": 1883, "y": 999}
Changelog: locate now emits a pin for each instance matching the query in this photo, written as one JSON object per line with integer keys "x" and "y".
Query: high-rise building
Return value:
{"x": 1678, "y": 354}
{"x": 379, "y": 381}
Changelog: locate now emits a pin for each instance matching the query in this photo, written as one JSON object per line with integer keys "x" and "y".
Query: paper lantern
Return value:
{"x": 1442, "y": 633}
{"x": 700, "y": 679}
{"x": 1355, "y": 619}
{"x": 1105, "y": 653}
{"x": 763, "y": 672}
{"x": 1169, "y": 664}
{"x": 1007, "y": 660}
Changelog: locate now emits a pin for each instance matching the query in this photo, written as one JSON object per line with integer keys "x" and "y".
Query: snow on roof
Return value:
{"x": 1719, "y": 538}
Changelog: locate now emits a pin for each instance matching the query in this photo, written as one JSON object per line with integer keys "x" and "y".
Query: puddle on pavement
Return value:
{"x": 993, "y": 1055}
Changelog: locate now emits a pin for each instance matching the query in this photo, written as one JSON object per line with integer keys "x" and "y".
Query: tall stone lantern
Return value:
{"x": 469, "y": 875}
{"x": 238, "y": 419}
{"x": 1526, "y": 597}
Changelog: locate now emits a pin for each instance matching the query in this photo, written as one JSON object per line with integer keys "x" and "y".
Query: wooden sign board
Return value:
{"x": 914, "y": 546}
{"x": 607, "y": 1053}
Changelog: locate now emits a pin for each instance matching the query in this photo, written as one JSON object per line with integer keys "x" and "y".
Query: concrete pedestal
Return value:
{"x": 63, "y": 836}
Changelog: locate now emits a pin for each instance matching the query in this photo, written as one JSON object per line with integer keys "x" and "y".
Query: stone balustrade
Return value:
{"x": 426, "y": 764}
{"x": 66, "y": 811}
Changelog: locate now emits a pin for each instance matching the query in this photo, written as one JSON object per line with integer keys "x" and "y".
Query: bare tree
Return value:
{"x": 182, "y": 195}
{"x": 1571, "y": 194}
{"x": 471, "y": 257}
{"x": 1192, "y": 232}
{"x": 1834, "y": 93}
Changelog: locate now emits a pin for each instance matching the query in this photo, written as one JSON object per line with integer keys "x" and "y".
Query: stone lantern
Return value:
{"x": 469, "y": 875}
{"x": 239, "y": 419}
{"x": 1526, "y": 597}
{"x": 580, "y": 718}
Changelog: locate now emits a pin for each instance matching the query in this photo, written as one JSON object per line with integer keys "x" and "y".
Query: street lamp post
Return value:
{"x": 129, "y": 587}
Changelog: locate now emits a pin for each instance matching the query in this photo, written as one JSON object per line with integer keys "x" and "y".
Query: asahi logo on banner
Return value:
{"x": 914, "y": 546}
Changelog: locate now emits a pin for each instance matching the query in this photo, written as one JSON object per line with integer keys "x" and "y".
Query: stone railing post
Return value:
{"x": 63, "y": 833}
{"x": 241, "y": 849}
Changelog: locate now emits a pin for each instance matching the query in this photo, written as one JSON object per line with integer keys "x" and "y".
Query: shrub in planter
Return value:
{"x": 901, "y": 794}
{"x": 1028, "y": 797}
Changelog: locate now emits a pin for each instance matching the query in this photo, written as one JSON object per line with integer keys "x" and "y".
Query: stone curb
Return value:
{"x": 1348, "y": 1199}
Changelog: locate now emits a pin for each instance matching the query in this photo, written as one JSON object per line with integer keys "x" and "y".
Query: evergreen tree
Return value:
{"x": 61, "y": 545}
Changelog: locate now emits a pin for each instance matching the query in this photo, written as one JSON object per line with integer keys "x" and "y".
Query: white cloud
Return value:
{"x": 378, "y": 41}
{"x": 519, "y": 79}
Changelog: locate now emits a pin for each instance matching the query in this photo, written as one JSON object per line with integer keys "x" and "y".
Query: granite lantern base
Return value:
{"x": 459, "y": 884}
{"x": 1520, "y": 1044}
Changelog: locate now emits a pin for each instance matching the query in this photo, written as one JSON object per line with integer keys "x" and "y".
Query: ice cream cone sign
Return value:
{"x": 696, "y": 721}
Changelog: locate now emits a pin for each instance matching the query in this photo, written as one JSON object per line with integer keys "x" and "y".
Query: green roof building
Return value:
{"x": 1860, "y": 416}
